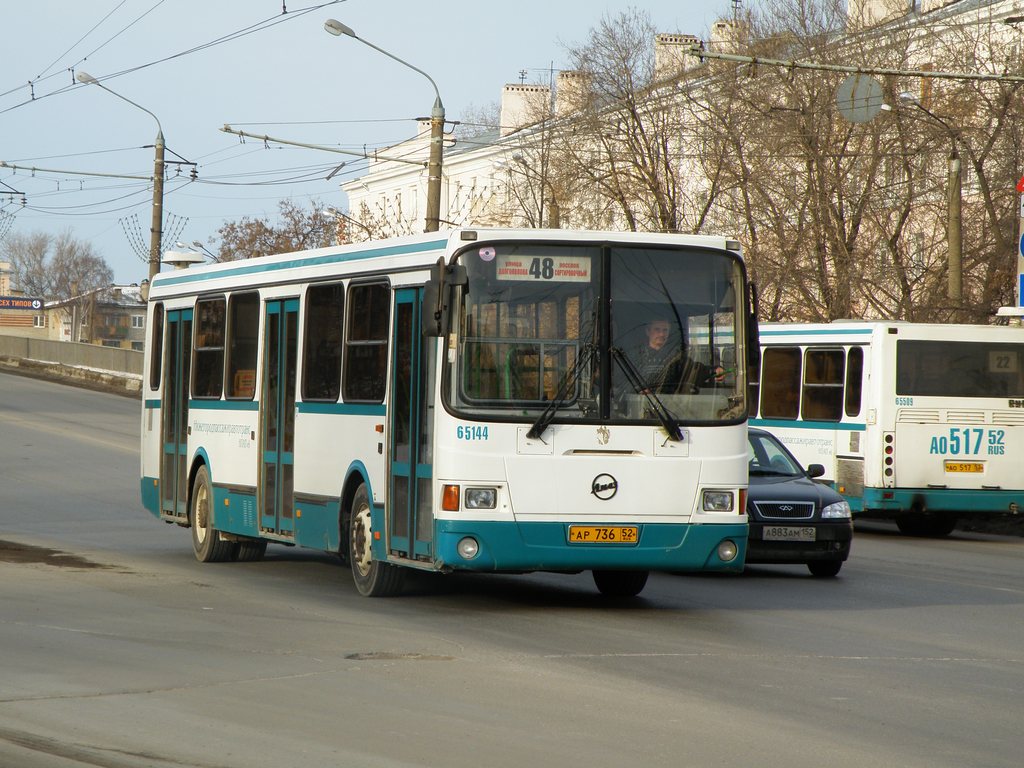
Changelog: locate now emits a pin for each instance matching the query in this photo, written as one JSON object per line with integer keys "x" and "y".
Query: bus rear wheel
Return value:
{"x": 207, "y": 544}
{"x": 251, "y": 550}
{"x": 935, "y": 525}
{"x": 373, "y": 578}
{"x": 620, "y": 583}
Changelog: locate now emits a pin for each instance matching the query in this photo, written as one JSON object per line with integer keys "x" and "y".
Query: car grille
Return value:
{"x": 785, "y": 510}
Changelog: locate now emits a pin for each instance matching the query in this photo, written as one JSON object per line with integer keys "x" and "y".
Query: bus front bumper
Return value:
{"x": 519, "y": 547}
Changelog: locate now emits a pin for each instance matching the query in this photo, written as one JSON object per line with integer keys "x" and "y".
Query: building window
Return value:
{"x": 138, "y": 321}
{"x": 39, "y": 321}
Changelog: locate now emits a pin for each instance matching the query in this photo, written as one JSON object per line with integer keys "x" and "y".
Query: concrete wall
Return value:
{"x": 90, "y": 365}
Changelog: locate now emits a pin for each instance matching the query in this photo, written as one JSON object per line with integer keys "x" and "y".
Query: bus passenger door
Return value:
{"x": 174, "y": 417}
{"x": 411, "y": 411}
{"x": 277, "y": 417}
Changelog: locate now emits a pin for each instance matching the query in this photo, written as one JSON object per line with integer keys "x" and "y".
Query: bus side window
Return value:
{"x": 780, "y": 382}
{"x": 823, "y": 385}
{"x": 208, "y": 365}
{"x": 854, "y": 380}
{"x": 321, "y": 360}
{"x": 243, "y": 332}
{"x": 366, "y": 343}
{"x": 156, "y": 347}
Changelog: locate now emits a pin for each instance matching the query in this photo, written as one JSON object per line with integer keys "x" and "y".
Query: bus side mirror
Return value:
{"x": 437, "y": 293}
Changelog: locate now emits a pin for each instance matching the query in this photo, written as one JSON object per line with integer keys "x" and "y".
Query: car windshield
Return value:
{"x": 599, "y": 332}
{"x": 768, "y": 457}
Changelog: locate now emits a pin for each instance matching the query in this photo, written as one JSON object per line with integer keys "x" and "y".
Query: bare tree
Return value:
{"x": 624, "y": 140}
{"x": 296, "y": 230}
{"x": 850, "y": 219}
{"x": 56, "y": 268}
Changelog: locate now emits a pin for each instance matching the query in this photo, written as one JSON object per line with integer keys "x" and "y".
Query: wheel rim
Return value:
{"x": 361, "y": 557}
{"x": 202, "y": 505}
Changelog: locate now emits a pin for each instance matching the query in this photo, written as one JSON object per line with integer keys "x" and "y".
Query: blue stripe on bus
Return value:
{"x": 791, "y": 424}
{"x": 309, "y": 261}
{"x": 942, "y": 499}
{"x": 223, "y": 405}
{"x": 347, "y": 409}
{"x": 823, "y": 332}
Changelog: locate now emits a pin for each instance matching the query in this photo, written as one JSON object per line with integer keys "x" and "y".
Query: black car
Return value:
{"x": 792, "y": 518}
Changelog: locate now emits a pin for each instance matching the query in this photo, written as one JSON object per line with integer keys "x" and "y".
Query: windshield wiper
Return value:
{"x": 570, "y": 379}
{"x": 637, "y": 382}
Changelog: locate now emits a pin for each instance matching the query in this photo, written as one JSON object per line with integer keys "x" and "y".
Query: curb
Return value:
{"x": 113, "y": 382}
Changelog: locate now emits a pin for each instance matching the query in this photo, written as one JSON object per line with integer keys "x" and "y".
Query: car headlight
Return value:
{"x": 481, "y": 498}
{"x": 840, "y": 509}
{"x": 717, "y": 501}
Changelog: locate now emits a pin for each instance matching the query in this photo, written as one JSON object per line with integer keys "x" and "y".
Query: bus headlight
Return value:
{"x": 717, "y": 501}
{"x": 481, "y": 498}
{"x": 727, "y": 551}
{"x": 837, "y": 510}
{"x": 467, "y": 548}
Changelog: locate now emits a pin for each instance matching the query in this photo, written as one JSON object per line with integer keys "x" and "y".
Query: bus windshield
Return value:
{"x": 959, "y": 369}
{"x": 602, "y": 332}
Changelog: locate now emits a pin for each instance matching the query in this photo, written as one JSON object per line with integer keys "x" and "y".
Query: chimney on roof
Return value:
{"x": 570, "y": 92}
{"x": 523, "y": 104}
{"x": 863, "y": 14}
{"x": 727, "y": 35}
{"x": 670, "y": 54}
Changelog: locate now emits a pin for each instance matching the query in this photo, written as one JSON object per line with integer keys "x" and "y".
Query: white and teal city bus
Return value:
{"x": 467, "y": 400}
{"x": 919, "y": 423}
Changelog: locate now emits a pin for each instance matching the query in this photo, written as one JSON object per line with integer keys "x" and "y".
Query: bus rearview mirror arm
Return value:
{"x": 436, "y": 302}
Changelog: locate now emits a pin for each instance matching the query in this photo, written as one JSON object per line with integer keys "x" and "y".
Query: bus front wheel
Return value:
{"x": 620, "y": 583}
{"x": 207, "y": 544}
{"x": 373, "y": 578}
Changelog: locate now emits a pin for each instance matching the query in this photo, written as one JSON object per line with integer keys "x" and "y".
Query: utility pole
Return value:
{"x": 156, "y": 230}
{"x": 433, "y": 219}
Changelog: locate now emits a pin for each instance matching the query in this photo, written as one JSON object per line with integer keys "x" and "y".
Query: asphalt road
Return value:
{"x": 120, "y": 650}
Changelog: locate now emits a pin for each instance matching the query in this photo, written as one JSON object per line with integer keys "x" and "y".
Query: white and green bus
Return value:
{"x": 466, "y": 400}
{"x": 918, "y": 423}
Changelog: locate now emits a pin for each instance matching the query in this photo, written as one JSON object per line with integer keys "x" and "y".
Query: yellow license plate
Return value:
{"x": 965, "y": 466}
{"x": 603, "y": 534}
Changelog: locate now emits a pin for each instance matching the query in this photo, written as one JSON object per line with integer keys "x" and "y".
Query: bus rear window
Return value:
{"x": 959, "y": 369}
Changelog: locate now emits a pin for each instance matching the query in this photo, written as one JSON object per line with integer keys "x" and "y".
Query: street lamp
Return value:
{"x": 346, "y": 219}
{"x": 156, "y": 228}
{"x": 197, "y": 246}
{"x": 954, "y": 233}
{"x": 434, "y": 160}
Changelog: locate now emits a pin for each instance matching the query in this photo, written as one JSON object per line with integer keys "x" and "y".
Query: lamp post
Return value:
{"x": 954, "y": 233}
{"x": 434, "y": 161}
{"x": 156, "y": 227}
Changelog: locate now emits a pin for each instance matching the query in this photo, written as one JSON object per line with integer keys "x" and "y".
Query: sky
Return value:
{"x": 262, "y": 66}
